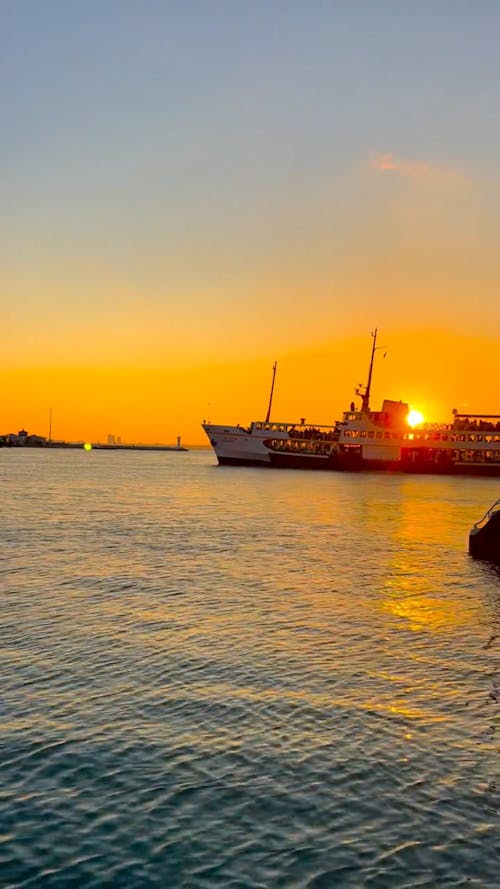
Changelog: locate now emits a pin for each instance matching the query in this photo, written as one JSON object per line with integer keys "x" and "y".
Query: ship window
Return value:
{"x": 387, "y": 434}
{"x": 371, "y": 434}
{"x": 379, "y": 434}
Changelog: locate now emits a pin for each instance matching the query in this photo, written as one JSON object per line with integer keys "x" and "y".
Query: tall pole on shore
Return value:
{"x": 50, "y": 425}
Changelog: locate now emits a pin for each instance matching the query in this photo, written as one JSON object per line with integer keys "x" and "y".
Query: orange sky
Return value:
{"x": 433, "y": 370}
{"x": 145, "y": 358}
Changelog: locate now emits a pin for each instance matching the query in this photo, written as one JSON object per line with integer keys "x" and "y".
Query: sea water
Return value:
{"x": 217, "y": 676}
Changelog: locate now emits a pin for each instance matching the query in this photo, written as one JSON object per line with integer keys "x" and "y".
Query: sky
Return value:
{"x": 192, "y": 190}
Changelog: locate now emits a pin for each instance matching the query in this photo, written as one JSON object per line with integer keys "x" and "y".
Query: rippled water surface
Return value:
{"x": 239, "y": 677}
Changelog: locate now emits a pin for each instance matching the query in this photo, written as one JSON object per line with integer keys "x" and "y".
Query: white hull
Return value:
{"x": 234, "y": 444}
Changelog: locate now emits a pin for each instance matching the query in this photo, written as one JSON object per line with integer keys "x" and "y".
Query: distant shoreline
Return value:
{"x": 69, "y": 445}
{"x": 137, "y": 447}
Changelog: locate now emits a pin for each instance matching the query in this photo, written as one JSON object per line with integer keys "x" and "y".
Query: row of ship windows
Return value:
{"x": 420, "y": 436}
{"x": 477, "y": 456}
{"x": 291, "y": 445}
{"x": 437, "y": 455}
{"x": 432, "y": 455}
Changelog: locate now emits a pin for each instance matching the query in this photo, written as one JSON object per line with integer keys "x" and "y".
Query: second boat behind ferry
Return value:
{"x": 365, "y": 439}
{"x": 484, "y": 538}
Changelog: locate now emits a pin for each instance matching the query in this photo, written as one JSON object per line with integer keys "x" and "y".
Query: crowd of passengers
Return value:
{"x": 476, "y": 425}
{"x": 312, "y": 432}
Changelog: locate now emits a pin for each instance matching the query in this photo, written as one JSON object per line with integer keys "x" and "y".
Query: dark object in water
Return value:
{"x": 484, "y": 538}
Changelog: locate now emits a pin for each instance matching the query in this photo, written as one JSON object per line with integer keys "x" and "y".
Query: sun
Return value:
{"x": 414, "y": 418}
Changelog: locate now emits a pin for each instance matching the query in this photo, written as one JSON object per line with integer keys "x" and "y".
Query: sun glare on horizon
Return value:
{"x": 414, "y": 418}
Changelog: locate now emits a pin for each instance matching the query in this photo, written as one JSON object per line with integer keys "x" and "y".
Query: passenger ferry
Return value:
{"x": 365, "y": 439}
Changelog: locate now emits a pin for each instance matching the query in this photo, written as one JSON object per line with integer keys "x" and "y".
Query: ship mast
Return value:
{"x": 365, "y": 396}
{"x": 275, "y": 365}
{"x": 365, "y": 405}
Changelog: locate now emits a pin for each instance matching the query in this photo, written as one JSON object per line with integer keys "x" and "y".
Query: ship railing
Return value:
{"x": 487, "y": 516}
{"x": 445, "y": 427}
{"x": 276, "y": 426}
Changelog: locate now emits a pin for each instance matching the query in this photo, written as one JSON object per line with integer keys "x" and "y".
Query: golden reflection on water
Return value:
{"x": 421, "y": 610}
{"x": 422, "y": 527}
